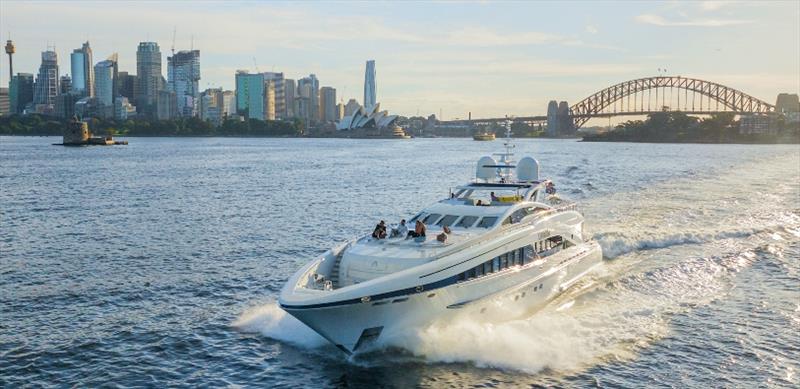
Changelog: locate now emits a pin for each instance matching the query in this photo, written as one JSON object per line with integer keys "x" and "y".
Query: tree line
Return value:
{"x": 40, "y": 125}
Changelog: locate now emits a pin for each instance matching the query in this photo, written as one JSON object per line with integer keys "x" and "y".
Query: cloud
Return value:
{"x": 660, "y": 21}
{"x": 712, "y": 5}
{"x": 591, "y": 29}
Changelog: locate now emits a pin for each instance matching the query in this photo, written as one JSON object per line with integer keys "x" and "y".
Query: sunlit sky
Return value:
{"x": 490, "y": 58}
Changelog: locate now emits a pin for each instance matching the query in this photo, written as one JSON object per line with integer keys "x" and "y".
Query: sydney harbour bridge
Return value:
{"x": 642, "y": 96}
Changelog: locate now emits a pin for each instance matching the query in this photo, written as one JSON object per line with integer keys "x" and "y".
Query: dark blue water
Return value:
{"x": 158, "y": 263}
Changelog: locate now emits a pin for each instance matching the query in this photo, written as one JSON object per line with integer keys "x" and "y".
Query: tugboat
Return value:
{"x": 77, "y": 134}
{"x": 502, "y": 240}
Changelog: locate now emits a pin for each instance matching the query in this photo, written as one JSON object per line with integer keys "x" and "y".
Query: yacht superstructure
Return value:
{"x": 511, "y": 242}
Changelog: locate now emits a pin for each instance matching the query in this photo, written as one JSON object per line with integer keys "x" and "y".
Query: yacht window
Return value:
{"x": 487, "y": 267}
{"x": 496, "y": 264}
{"x": 471, "y": 273}
{"x": 478, "y": 270}
{"x": 432, "y": 218}
{"x": 467, "y": 221}
{"x": 520, "y": 214}
{"x": 447, "y": 220}
{"x": 504, "y": 261}
{"x": 487, "y": 222}
{"x": 414, "y": 219}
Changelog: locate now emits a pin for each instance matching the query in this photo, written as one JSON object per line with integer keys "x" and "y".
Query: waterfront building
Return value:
{"x": 228, "y": 104}
{"x": 290, "y": 92}
{"x": 123, "y": 108}
{"x": 351, "y": 107}
{"x": 212, "y": 105}
{"x": 183, "y": 76}
{"x": 86, "y": 107}
{"x": 280, "y": 93}
{"x": 166, "y": 105}
{"x": 309, "y": 88}
{"x": 149, "y": 78}
{"x": 46, "y": 86}
{"x": 327, "y": 104}
{"x": 104, "y": 87}
{"x": 82, "y": 71}
{"x": 250, "y": 93}
{"x": 372, "y": 118}
{"x": 64, "y": 84}
{"x": 126, "y": 86}
{"x": 269, "y": 99}
{"x": 65, "y": 105}
{"x": 5, "y": 106}
{"x": 370, "y": 89}
{"x": 20, "y": 92}
{"x": 339, "y": 111}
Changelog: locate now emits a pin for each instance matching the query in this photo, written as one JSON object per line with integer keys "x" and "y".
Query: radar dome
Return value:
{"x": 528, "y": 169}
{"x": 483, "y": 172}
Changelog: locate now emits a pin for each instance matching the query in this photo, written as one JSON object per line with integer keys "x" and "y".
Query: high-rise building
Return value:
{"x": 327, "y": 104}
{"x": 149, "y": 77}
{"x": 166, "y": 105}
{"x": 114, "y": 58}
{"x": 310, "y": 87}
{"x": 65, "y": 105}
{"x": 127, "y": 85}
{"x": 370, "y": 89}
{"x": 46, "y": 86}
{"x": 351, "y": 107}
{"x": 250, "y": 91}
{"x": 280, "y": 93}
{"x": 269, "y": 100}
{"x": 82, "y": 71}
{"x": 339, "y": 111}
{"x": 290, "y": 91}
{"x": 5, "y": 106}
{"x": 64, "y": 84}
{"x": 20, "y": 92}
{"x": 123, "y": 108}
{"x": 104, "y": 87}
{"x": 228, "y": 103}
{"x": 183, "y": 74}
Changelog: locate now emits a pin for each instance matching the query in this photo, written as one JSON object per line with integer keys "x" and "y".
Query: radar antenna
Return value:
{"x": 506, "y": 162}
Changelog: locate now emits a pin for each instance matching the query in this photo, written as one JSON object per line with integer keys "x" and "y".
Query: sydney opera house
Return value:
{"x": 362, "y": 118}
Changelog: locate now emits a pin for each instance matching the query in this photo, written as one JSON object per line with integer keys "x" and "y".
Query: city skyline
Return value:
{"x": 469, "y": 63}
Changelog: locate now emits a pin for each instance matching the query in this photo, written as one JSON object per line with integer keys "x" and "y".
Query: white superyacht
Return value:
{"x": 511, "y": 242}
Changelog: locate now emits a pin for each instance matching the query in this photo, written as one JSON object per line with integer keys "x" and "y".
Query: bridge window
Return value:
{"x": 432, "y": 218}
{"x": 467, "y": 221}
{"x": 487, "y": 222}
{"x": 447, "y": 220}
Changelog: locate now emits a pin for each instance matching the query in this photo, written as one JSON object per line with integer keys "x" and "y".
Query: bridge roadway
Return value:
{"x": 543, "y": 119}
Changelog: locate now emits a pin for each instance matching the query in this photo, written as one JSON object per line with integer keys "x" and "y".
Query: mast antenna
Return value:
{"x": 174, "y": 30}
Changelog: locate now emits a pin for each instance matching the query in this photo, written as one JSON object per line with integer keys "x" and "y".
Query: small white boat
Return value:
{"x": 512, "y": 242}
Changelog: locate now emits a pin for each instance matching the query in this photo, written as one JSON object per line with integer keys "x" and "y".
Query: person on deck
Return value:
{"x": 419, "y": 230}
{"x": 494, "y": 198}
{"x": 402, "y": 229}
{"x": 380, "y": 231}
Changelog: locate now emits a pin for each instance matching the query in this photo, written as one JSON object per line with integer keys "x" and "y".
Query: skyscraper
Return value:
{"x": 183, "y": 74}
{"x": 46, "y": 87}
{"x": 104, "y": 87}
{"x": 127, "y": 85}
{"x": 327, "y": 104}
{"x": 82, "y": 71}
{"x": 290, "y": 90}
{"x": 280, "y": 93}
{"x": 20, "y": 92}
{"x": 309, "y": 86}
{"x": 149, "y": 78}
{"x": 370, "y": 89}
{"x": 64, "y": 84}
{"x": 269, "y": 100}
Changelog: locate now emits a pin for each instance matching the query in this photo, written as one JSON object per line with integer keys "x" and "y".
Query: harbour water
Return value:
{"x": 158, "y": 264}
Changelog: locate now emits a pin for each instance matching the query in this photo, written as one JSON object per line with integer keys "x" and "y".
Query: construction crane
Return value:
{"x": 256, "y": 65}
{"x": 174, "y": 30}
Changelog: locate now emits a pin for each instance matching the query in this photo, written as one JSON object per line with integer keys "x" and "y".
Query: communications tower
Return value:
{"x": 10, "y": 50}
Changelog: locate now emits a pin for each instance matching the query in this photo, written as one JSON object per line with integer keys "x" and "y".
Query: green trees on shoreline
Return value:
{"x": 678, "y": 127}
{"x": 38, "y": 125}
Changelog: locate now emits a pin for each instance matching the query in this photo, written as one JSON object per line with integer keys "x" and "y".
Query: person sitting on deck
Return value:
{"x": 443, "y": 236}
{"x": 380, "y": 231}
{"x": 400, "y": 230}
{"x": 494, "y": 198}
{"x": 419, "y": 230}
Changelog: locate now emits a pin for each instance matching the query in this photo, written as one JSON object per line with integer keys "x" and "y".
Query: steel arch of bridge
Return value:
{"x": 735, "y": 100}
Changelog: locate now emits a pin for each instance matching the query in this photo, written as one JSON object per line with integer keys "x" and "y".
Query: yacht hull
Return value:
{"x": 354, "y": 325}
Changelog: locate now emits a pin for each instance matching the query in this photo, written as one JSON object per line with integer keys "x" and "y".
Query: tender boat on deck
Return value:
{"x": 513, "y": 243}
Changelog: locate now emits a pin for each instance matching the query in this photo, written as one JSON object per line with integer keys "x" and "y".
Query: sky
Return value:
{"x": 488, "y": 58}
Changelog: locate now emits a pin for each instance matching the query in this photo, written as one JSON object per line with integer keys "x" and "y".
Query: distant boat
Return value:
{"x": 398, "y": 133}
{"x": 484, "y": 136}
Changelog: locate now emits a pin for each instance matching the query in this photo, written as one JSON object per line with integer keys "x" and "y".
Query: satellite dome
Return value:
{"x": 483, "y": 172}
{"x": 528, "y": 169}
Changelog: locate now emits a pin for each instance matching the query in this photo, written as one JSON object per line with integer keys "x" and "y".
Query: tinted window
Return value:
{"x": 487, "y": 222}
{"x": 447, "y": 220}
{"x": 432, "y": 218}
{"x": 413, "y": 219}
{"x": 467, "y": 221}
